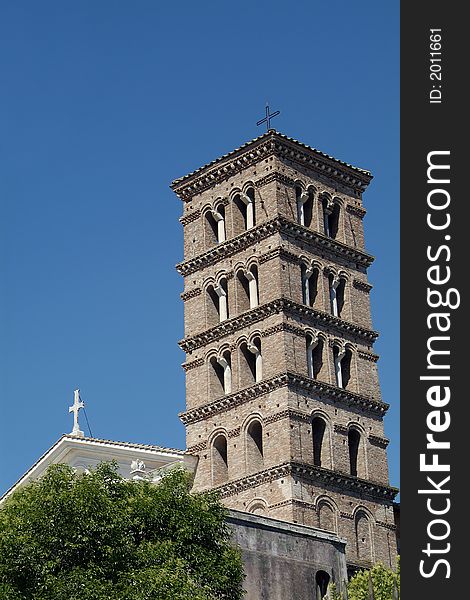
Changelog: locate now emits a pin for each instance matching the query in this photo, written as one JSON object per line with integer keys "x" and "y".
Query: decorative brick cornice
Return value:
{"x": 276, "y": 144}
{"x": 197, "y": 448}
{"x": 362, "y": 285}
{"x": 264, "y": 230}
{"x": 283, "y": 327}
{"x": 313, "y": 474}
{"x": 276, "y": 176}
{"x": 389, "y": 526}
{"x": 287, "y": 379}
{"x": 381, "y": 442}
{"x": 356, "y": 210}
{"x": 189, "y": 218}
{"x": 191, "y": 294}
{"x": 234, "y": 432}
{"x": 319, "y": 318}
{"x": 288, "y": 413}
{"x": 370, "y": 356}
{"x": 279, "y": 253}
{"x": 198, "y": 362}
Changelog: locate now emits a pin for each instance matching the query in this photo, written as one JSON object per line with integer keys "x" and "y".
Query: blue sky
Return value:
{"x": 103, "y": 103}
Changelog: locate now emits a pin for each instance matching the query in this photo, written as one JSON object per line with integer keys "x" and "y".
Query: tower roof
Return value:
{"x": 271, "y": 142}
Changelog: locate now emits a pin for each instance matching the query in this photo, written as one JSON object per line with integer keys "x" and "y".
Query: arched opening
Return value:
{"x": 337, "y": 291}
{"x": 244, "y": 210}
{"x": 254, "y": 447}
{"x": 309, "y": 285}
{"x": 326, "y": 517}
{"x": 212, "y": 306}
{"x": 322, "y": 579}
{"x": 219, "y": 460}
{"x": 253, "y": 289}
{"x": 243, "y": 292}
{"x": 354, "y": 441}
{"x": 210, "y": 229}
{"x": 363, "y": 537}
{"x": 331, "y": 218}
{"x": 304, "y": 202}
{"x": 218, "y": 214}
{"x": 258, "y": 508}
{"x": 318, "y": 435}
{"x": 217, "y": 303}
{"x": 314, "y": 356}
{"x": 251, "y": 362}
{"x": 221, "y": 374}
{"x": 342, "y": 359}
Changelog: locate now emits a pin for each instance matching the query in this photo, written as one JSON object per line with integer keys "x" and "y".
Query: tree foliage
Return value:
{"x": 96, "y": 536}
{"x": 384, "y": 583}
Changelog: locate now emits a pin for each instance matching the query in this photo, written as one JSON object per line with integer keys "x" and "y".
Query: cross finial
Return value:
{"x": 268, "y": 117}
{"x": 77, "y": 405}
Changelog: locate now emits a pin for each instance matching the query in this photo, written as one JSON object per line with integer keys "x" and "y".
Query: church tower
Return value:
{"x": 283, "y": 405}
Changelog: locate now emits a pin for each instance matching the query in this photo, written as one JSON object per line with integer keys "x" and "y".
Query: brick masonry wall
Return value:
{"x": 246, "y": 469}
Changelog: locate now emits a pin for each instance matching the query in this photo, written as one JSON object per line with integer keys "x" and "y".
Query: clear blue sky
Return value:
{"x": 103, "y": 103}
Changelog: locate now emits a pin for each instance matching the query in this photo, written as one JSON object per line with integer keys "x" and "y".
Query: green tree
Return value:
{"x": 97, "y": 536}
{"x": 385, "y": 582}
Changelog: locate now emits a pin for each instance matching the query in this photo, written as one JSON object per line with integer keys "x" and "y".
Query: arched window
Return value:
{"x": 254, "y": 447}
{"x": 215, "y": 226}
{"x": 309, "y": 285}
{"x": 304, "y": 201}
{"x": 337, "y": 289}
{"x": 252, "y": 276}
{"x": 342, "y": 359}
{"x": 251, "y": 367}
{"x": 318, "y": 435}
{"x": 363, "y": 537}
{"x": 314, "y": 356}
{"x": 243, "y": 292}
{"x": 322, "y": 579}
{"x": 326, "y": 517}
{"x": 219, "y": 460}
{"x": 354, "y": 441}
{"x": 217, "y": 303}
{"x": 330, "y": 218}
{"x": 244, "y": 204}
{"x": 258, "y": 507}
{"x": 221, "y": 374}
{"x": 210, "y": 229}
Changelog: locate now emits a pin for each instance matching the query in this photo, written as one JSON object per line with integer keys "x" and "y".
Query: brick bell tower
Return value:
{"x": 283, "y": 405}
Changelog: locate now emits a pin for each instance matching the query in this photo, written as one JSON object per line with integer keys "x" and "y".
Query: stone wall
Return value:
{"x": 284, "y": 561}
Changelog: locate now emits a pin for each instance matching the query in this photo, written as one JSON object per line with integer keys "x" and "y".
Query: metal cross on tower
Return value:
{"x": 77, "y": 405}
{"x": 268, "y": 117}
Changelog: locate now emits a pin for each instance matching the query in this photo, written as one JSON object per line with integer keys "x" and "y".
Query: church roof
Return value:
{"x": 271, "y": 134}
{"x": 58, "y": 452}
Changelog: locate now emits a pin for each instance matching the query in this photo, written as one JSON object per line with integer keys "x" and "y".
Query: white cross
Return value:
{"x": 77, "y": 405}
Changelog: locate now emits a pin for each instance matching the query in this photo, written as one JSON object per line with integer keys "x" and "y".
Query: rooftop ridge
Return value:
{"x": 273, "y": 135}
